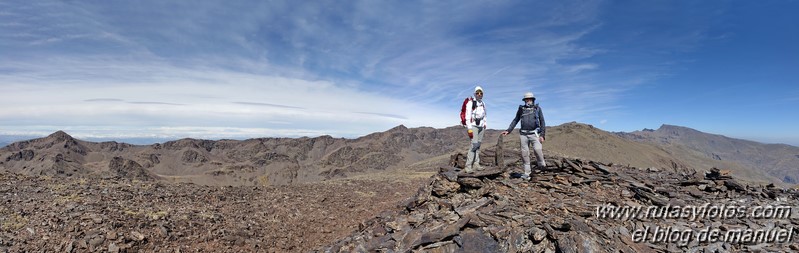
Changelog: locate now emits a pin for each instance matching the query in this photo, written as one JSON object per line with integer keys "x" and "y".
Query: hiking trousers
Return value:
{"x": 473, "y": 156}
{"x": 527, "y": 140}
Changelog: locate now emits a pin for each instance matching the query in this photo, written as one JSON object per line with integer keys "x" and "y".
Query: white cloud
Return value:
{"x": 581, "y": 67}
{"x": 209, "y": 99}
{"x": 340, "y": 68}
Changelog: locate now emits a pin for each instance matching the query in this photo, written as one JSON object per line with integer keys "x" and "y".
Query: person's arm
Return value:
{"x": 515, "y": 120}
{"x": 485, "y": 117}
{"x": 542, "y": 122}
{"x": 469, "y": 117}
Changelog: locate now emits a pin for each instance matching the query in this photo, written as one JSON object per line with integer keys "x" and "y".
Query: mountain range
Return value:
{"x": 279, "y": 161}
{"x": 272, "y": 161}
{"x": 777, "y": 160}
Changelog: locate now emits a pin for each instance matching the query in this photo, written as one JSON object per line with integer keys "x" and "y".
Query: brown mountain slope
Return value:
{"x": 588, "y": 142}
{"x": 260, "y": 161}
{"x": 778, "y": 160}
{"x": 277, "y": 161}
{"x": 56, "y": 154}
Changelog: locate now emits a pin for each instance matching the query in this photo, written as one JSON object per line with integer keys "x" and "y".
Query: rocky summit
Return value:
{"x": 568, "y": 207}
{"x": 397, "y": 191}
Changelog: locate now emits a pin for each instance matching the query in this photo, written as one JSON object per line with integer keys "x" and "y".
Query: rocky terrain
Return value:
{"x": 341, "y": 195}
{"x": 558, "y": 211}
{"x": 71, "y": 214}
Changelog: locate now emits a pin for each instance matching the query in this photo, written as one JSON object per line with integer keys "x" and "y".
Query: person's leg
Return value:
{"x": 471, "y": 154}
{"x": 479, "y": 137}
{"x": 525, "y": 153}
{"x": 539, "y": 152}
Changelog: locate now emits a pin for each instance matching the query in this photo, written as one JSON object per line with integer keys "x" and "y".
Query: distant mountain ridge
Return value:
{"x": 588, "y": 142}
{"x": 277, "y": 161}
{"x": 778, "y": 160}
{"x": 8, "y": 139}
{"x": 231, "y": 162}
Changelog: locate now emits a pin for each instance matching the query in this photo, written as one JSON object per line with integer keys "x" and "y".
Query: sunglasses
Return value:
{"x": 479, "y": 92}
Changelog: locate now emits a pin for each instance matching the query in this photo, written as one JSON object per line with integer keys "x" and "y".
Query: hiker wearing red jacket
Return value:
{"x": 475, "y": 119}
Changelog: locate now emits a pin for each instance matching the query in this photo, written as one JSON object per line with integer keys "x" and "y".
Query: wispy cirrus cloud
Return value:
{"x": 202, "y": 101}
{"x": 420, "y": 58}
{"x": 152, "y": 103}
{"x": 269, "y": 105}
{"x": 313, "y": 67}
{"x": 387, "y": 115}
{"x": 103, "y": 100}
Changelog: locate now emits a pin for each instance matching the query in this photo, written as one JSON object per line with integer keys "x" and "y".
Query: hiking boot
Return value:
{"x": 525, "y": 177}
{"x": 468, "y": 169}
{"x": 478, "y": 167}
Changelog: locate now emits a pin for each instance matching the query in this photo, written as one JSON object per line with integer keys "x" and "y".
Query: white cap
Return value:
{"x": 528, "y": 95}
{"x": 478, "y": 88}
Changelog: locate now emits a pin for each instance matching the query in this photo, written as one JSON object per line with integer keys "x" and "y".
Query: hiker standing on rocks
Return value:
{"x": 476, "y": 126}
{"x": 532, "y": 132}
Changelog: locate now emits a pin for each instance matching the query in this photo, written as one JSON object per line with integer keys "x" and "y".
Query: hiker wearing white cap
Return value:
{"x": 533, "y": 131}
{"x": 475, "y": 121}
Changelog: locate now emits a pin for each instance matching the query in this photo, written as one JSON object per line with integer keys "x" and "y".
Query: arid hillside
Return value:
{"x": 263, "y": 161}
{"x": 777, "y": 160}
{"x": 586, "y": 141}
{"x": 281, "y": 161}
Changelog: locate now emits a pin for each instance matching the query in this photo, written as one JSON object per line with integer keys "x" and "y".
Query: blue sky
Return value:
{"x": 221, "y": 69}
